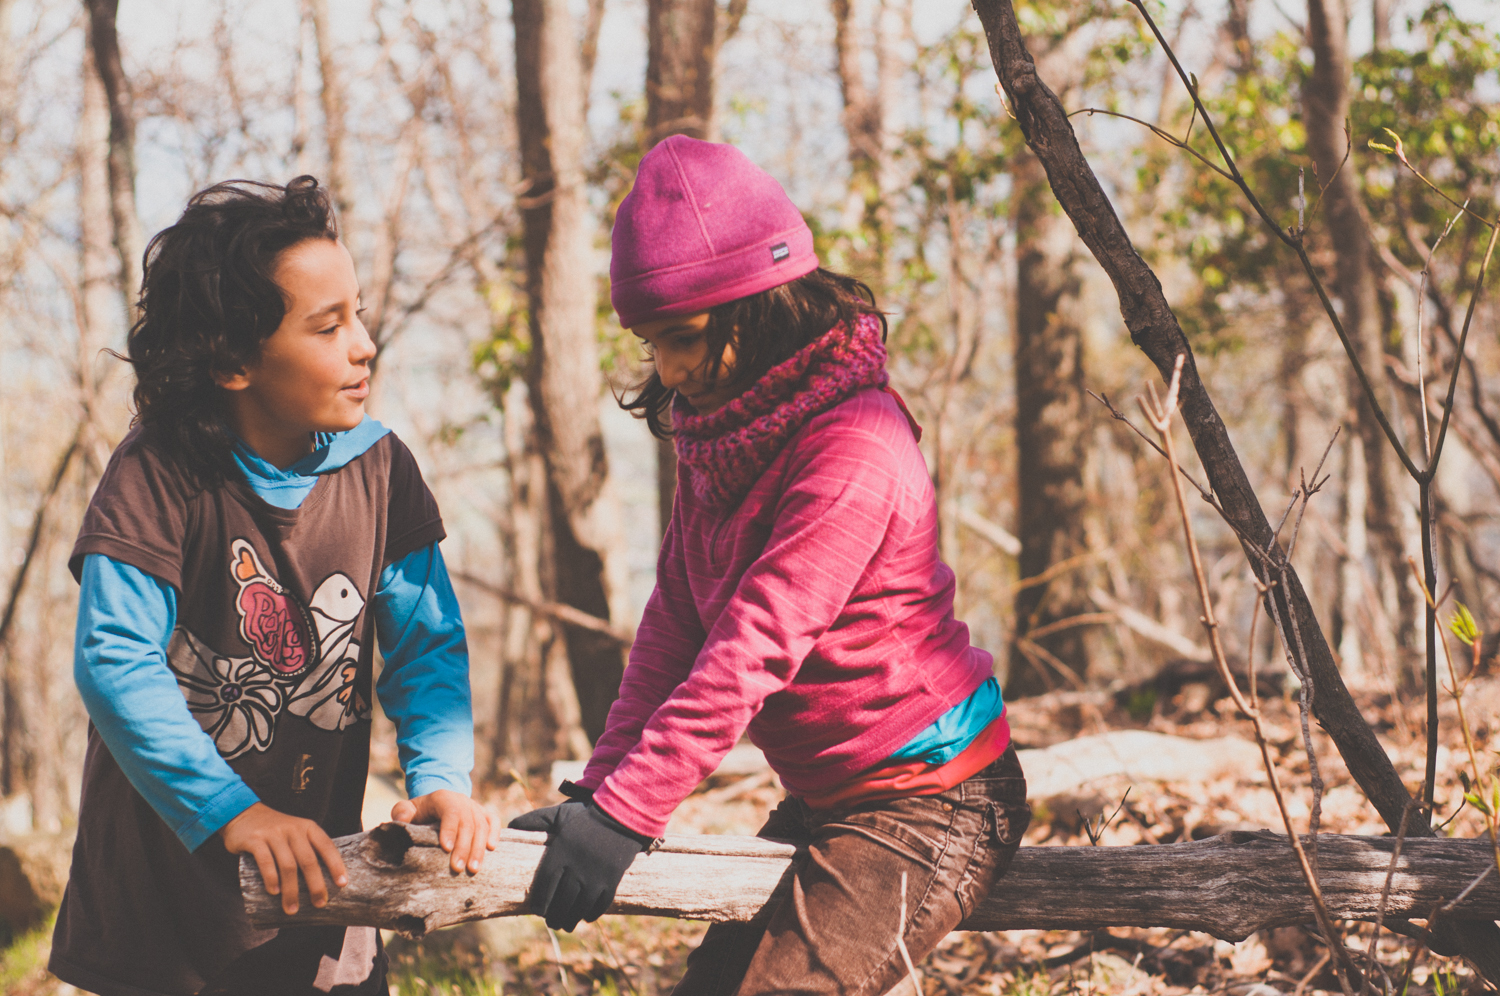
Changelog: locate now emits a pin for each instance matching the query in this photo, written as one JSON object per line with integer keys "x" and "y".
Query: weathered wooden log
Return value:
{"x": 1230, "y": 885}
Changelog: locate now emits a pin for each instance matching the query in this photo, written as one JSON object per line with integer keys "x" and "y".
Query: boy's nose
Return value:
{"x": 363, "y": 349}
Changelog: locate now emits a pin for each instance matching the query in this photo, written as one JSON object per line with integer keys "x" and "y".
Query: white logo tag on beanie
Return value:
{"x": 779, "y": 252}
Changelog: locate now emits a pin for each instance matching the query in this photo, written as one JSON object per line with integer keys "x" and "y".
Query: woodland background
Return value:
{"x": 476, "y": 150}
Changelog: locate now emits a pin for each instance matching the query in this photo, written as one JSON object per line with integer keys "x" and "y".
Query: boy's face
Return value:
{"x": 313, "y": 372}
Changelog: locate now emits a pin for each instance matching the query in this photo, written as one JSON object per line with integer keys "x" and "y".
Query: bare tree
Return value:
{"x": 129, "y": 242}
{"x": 1050, "y": 447}
{"x": 335, "y": 101}
{"x": 867, "y": 123}
{"x": 564, "y": 380}
{"x": 681, "y": 45}
{"x": 1325, "y": 100}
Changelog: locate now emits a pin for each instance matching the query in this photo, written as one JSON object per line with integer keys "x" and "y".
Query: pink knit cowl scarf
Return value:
{"x": 725, "y": 451}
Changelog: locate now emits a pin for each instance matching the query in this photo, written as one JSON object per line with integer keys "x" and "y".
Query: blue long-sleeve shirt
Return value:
{"x": 126, "y": 618}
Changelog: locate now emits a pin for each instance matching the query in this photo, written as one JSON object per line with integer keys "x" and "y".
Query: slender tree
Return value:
{"x": 1050, "y": 446}
{"x": 129, "y": 242}
{"x": 681, "y": 46}
{"x": 564, "y": 381}
{"x": 335, "y": 101}
{"x": 1325, "y": 102}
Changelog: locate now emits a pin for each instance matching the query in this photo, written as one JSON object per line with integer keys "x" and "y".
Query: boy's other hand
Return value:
{"x": 283, "y": 846}
{"x": 465, "y": 828}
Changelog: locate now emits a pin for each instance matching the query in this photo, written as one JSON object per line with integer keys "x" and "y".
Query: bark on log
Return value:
{"x": 1154, "y": 328}
{"x": 1230, "y": 885}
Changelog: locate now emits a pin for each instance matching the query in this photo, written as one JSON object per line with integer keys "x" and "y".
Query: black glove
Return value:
{"x": 587, "y": 854}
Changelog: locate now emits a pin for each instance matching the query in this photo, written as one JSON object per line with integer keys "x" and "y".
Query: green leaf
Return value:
{"x": 1463, "y": 626}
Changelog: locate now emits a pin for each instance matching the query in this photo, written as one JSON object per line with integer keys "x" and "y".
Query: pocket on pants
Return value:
{"x": 918, "y": 827}
{"x": 994, "y": 846}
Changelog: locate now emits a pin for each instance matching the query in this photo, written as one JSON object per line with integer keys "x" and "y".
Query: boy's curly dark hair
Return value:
{"x": 773, "y": 326}
{"x": 208, "y": 302}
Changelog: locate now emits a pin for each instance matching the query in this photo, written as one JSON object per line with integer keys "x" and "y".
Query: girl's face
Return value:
{"x": 313, "y": 372}
{"x": 679, "y": 349}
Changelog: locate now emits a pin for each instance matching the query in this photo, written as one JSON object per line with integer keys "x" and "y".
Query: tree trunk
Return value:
{"x": 1380, "y": 23}
{"x": 1050, "y": 446}
{"x": 1236, "y": 31}
{"x": 1230, "y": 885}
{"x": 333, "y": 97}
{"x": 129, "y": 242}
{"x": 866, "y": 119}
{"x": 1325, "y": 100}
{"x": 564, "y": 381}
{"x": 1154, "y": 328}
{"x": 681, "y": 55}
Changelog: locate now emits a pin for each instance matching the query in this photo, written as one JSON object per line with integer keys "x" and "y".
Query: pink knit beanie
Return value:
{"x": 703, "y": 225}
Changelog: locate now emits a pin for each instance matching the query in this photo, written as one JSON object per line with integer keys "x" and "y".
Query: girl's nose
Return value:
{"x": 672, "y": 372}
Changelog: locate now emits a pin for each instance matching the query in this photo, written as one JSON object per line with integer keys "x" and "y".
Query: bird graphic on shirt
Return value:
{"x": 328, "y": 696}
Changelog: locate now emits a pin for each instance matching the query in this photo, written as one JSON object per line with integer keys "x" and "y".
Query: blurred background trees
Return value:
{"x": 477, "y": 150}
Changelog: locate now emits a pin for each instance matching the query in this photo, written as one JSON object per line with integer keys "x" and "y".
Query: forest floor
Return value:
{"x": 644, "y": 956}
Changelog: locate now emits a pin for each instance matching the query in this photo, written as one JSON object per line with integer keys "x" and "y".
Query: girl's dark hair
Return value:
{"x": 766, "y": 328}
{"x": 208, "y": 302}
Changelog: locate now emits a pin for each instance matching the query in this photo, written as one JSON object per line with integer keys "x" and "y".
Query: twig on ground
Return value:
{"x": 1095, "y": 833}
{"x": 916, "y": 981}
{"x": 619, "y": 965}
{"x": 562, "y": 973}
{"x": 1317, "y": 967}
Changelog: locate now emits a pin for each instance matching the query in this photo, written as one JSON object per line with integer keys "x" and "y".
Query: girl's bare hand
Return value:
{"x": 284, "y": 846}
{"x": 465, "y": 828}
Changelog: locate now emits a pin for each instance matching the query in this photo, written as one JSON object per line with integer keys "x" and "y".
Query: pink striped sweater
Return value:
{"x": 816, "y": 613}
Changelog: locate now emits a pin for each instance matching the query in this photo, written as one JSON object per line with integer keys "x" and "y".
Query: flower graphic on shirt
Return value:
{"x": 272, "y": 622}
{"x": 328, "y": 696}
{"x": 234, "y": 699}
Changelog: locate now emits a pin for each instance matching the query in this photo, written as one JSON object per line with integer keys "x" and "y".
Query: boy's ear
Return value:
{"x": 231, "y": 380}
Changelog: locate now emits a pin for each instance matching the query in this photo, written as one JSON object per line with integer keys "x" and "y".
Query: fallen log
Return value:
{"x": 1230, "y": 885}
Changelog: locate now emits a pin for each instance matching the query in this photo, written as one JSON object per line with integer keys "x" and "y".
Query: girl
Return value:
{"x": 799, "y": 594}
{"x": 252, "y": 538}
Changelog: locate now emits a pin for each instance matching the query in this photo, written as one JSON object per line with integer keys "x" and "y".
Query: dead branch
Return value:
{"x": 1230, "y": 885}
{"x": 552, "y": 610}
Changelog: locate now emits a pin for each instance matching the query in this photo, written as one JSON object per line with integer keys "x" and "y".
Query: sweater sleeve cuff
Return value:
{"x": 424, "y": 783}
{"x": 631, "y": 816}
{"x": 222, "y": 808}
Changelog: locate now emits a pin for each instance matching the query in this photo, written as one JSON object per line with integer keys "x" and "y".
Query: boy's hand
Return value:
{"x": 282, "y": 846}
{"x": 465, "y": 828}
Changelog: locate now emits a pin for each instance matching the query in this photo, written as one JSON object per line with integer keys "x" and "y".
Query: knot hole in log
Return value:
{"x": 388, "y": 844}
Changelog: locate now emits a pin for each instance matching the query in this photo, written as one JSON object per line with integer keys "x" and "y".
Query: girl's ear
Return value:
{"x": 231, "y": 380}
